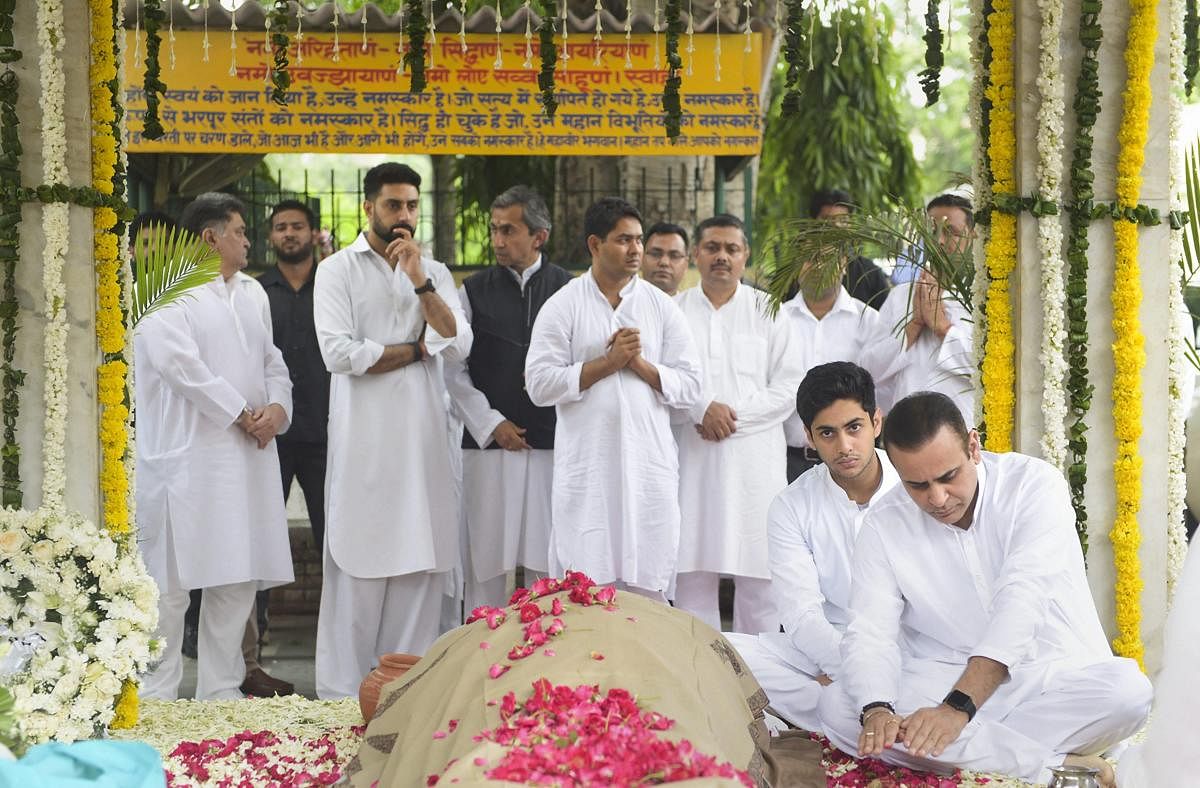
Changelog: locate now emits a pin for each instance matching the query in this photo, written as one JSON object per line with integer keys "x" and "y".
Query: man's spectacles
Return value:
{"x": 658, "y": 254}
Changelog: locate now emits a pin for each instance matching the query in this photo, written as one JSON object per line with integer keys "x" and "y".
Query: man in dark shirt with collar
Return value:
{"x": 289, "y": 287}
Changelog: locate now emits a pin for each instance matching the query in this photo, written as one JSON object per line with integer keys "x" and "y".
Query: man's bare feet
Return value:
{"x": 1106, "y": 776}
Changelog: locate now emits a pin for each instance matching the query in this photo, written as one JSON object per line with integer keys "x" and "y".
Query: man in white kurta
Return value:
{"x": 812, "y": 527}
{"x": 923, "y": 340}
{"x": 212, "y": 392}
{"x": 731, "y": 448}
{"x": 382, "y": 312}
{"x": 614, "y": 354}
{"x": 973, "y": 640}
{"x": 508, "y": 447}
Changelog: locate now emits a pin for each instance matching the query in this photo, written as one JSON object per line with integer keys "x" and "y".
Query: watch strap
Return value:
{"x": 961, "y": 701}
{"x": 428, "y": 287}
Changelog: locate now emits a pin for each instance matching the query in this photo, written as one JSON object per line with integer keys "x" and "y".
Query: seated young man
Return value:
{"x": 973, "y": 640}
{"x": 811, "y": 528}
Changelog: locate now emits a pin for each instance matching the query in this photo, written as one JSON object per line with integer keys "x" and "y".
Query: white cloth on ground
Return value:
{"x": 201, "y": 361}
{"x": 838, "y": 336}
{"x": 616, "y": 470}
{"x": 362, "y": 619}
{"x": 792, "y": 691}
{"x": 929, "y": 364}
{"x": 1011, "y": 588}
{"x": 725, "y": 487}
{"x": 753, "y": 601}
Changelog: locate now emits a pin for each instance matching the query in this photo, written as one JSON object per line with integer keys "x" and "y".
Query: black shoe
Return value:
{"x": 189, "y": 641}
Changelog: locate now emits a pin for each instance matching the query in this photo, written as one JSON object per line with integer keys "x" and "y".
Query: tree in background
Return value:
{"x": 847, "y": 130}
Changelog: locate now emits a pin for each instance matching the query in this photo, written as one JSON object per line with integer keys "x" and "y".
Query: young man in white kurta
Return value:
{"x": 924, "y": 339}
{"x": 830, "y": 326}
{"x": 212, "y": 392}
{"x": 382, "y": 312}
{"x": 614, "y": 354}
{"x": 507, "y": 457}
{"x": 812, "y": 527}
{"x": 731, "y": 449}
{"x": 968, "y": 593}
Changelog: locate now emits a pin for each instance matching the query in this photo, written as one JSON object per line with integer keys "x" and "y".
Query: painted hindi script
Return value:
{"x": 481, "y": 98}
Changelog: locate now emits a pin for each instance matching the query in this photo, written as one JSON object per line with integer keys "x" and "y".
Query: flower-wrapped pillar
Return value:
{"x": 1093, "y": 306}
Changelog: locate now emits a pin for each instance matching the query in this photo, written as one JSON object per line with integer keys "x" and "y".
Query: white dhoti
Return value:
{"x": 220, "y": 667}
{"x": 1029, "y": 724}
{"x": 753, "y": 602}
{"x": 789, "y": 680}
{"x": 363, "y": 618}
{"x": 506, "y": 501}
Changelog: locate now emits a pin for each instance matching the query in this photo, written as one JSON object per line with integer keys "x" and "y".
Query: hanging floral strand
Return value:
{"x": 415, "y": 26}
{"x": 717, "y": 42}
{"x": 528, "y": 35}
{"x": 1191, "y": 34}
{"x": 11, "y": 379}
{"x": 299, "y": 37}
{"x": 549, "y": 57}
{"x": 597, "y": 37}
{"x": 153, "y": 86}
{"x": 657, "y": 30}
{"x": 793, "y": 46}
{"x": 628, "y": 33}
{"x": 498, "y": 63}
{"x": 931, "y": 75}
{"x": 691, "y": 36}
{"x": 746, "y": 6}
{"x": 566, "y": 55}
{"x": 1177, "y": 544}
{"x": 1079, "y": 389}
{"x": 672, "y": 106}
{"x": 205, "y": 44}
{"x": 336, "y": 56}
{"x": 281, "y": 78}
{"x": 981, "y": 175}
{"x": 171, "y": 36}
{"x": 233, "y": 28}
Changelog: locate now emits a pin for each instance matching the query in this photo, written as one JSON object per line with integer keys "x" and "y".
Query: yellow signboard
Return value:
{"x": 481, "y": 98}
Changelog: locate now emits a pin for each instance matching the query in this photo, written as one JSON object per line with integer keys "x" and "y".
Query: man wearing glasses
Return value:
{"x": 665, "y": 258}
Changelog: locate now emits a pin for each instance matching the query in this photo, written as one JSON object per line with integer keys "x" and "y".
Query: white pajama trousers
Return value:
{"x": 363, "y": 618}
{"x": 753, "y": 603}
{"x": 793, "y": 695}
{"x": 1084, "y": 711}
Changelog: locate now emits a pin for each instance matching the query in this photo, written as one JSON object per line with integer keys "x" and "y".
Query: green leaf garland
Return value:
{"x": 672, "y": 107}
{"x": 793, "y": 48}
{"x": 931, "y": 75}
{"x": 153, "y": 16}
{"x": 281, "y": 79}
{"x": 549, "y": 55}
{"x": 415, "y": 27}
{"x": 11, "y": 378}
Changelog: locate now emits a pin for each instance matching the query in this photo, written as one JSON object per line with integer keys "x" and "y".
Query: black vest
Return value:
{"x": 502, "y": 321}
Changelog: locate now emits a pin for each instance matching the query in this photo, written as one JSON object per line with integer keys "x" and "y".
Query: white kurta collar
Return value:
{"x": 524, "y": 277}
{"x": 843, "y": 303}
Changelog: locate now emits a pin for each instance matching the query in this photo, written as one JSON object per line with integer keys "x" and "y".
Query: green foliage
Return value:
{"x": 1191, "y": 230}
{"x": 847, "y": 132}
{"x": 478, "y": 179}
{"x": 170, "y": 264}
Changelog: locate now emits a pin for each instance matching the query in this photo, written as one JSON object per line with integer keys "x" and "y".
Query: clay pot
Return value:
{"x": 391, "y": 667}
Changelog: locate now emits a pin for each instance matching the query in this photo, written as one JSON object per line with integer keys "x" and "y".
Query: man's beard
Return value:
{"x": 388, "y": 234}
{"x": 301, "y": 255}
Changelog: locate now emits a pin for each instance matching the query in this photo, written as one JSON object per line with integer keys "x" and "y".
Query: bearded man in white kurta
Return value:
{"x": 973, "y": 639}
{"x": 923, "y": 340}
{"x": 731, "y": 444}
{"x": 614, "y": 354}
{"x": 212, "y": 393}
{"x": 811, "y": 530}
{"x": 391, "y": 525}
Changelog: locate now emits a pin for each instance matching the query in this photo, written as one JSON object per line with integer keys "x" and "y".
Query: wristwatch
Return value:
{"x": 425, "y": 288}
{"x": 961, "y": 701}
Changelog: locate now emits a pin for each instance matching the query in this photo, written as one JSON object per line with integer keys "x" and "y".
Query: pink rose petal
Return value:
{"x": 550, "y": 652}
{"x": 596, "y": 655}
{"x": 497, "y": 670}
{"x": 483, "y": 644}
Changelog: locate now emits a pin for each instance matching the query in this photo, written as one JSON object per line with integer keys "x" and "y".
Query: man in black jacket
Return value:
{"x": 507, "y": 442}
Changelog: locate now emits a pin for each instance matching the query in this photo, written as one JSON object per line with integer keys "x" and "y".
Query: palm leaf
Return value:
{"x": 170, "y": 264}
{"x": 812, "y": 252}
{"x": 1191, "y": 231}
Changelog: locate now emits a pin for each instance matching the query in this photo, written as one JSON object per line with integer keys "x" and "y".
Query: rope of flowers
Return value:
{"x": 1079, "y": 387}
{"x": 1001, "y": 247}
{"x": 153, "y": 17}
{"x": 1191, "y": 33}
{"x": 793, "y": 45}
{"x": 281, "y": 78}
{"x": 1176, "y": 407}
{"x": 416, "y": 25}
{"x": 980, "y": 108}
{"x": 11, "y": 378}
{"x": 1050, "y": 117}
{"x": 549, "y": 55}
{"x": 1128, "y": 342}
{"x": 931, "y": 74}
{"x": 672, "y": 107}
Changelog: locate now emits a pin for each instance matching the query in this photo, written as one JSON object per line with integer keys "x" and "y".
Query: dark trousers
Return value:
{"x": 799, "y": 461}
{"x": 305, "y": 462}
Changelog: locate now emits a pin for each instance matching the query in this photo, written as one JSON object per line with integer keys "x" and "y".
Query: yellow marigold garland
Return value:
{"x": 1001, "y": 248}
{"x": 111, "y": 376}
{"x": 1128, "y": 342}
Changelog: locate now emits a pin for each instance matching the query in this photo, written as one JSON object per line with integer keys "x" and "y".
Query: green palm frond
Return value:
{"x": 170, "y": 264}
{"x": 812, "y": 252}
{"x": 1191, "y": 231}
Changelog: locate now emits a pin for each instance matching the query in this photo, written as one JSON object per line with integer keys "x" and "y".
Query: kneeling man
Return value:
{"x": 973, "y": 640}
{"x": 811, "y": 528}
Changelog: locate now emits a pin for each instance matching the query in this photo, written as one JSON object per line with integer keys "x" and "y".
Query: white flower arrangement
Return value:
{"x": 982, "y": 197}
{"x": 1050, "y": 117}
{"x": 93, "y": 606}
{"x": 1176, "y": 365}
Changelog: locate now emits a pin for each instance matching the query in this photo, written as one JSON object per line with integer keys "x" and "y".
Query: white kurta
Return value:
{"x": 838, "y": 336}
{"x": 389, "y": 489}
{"x": 929, "y": 364}
{"x": 506, "y": 494}
{"x": 926, "y": 596}
{"x": 616, "y": 467}
{"x": 726, "y": 486}
{"x": 200, "y": 361}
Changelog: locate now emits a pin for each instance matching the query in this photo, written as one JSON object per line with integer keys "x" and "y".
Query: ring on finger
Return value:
{"x": 869, "y": 733}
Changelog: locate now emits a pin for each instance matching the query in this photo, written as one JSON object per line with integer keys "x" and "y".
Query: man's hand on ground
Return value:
{"x": 931, "y": 730}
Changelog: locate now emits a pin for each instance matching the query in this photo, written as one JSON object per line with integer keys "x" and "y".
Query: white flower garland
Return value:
{"x": 982, "y": 197}
{"x": 1176, "y": 367}
{"x": 127, "y": 264}
{"x": 1050, "y": 236}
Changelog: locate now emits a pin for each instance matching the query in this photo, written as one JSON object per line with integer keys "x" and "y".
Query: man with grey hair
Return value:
{"x": 508, "y": 442}
{"x": 212, "y": 394}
